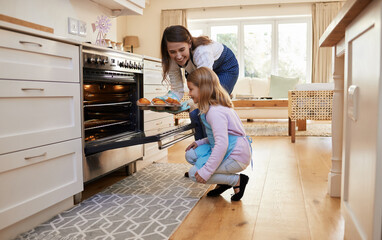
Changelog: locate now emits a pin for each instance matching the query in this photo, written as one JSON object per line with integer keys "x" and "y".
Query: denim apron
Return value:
{"x": 204, "y": 151}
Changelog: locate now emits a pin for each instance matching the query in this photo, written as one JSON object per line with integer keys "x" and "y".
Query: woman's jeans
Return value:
{"x": 199, "y": 128}
{"x": 224, "y": 174}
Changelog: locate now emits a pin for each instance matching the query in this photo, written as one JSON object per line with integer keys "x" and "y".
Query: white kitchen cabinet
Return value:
{"x": 37, "y": 113}
{"x": 123, "y": 7}
{"x": 355, "y": 35}
{"x": 41, "y": 147}
{"x": 362, "y": 192}
{"x": 154, "y": 122}
{"x": 25, "y": 57}
{"x": 34, "y": 179}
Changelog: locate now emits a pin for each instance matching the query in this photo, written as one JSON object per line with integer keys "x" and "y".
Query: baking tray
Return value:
{"x": 164, "y": 107}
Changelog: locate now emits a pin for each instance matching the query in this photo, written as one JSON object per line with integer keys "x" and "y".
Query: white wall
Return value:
{"x": 147, "y": 27}
{"x": 55, "y": 13}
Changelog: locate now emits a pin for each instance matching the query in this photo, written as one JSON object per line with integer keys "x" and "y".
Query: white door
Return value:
{"x": 362, "y": 166}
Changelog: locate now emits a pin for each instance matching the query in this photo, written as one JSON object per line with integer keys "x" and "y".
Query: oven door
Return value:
{"x": 164, "y": 139}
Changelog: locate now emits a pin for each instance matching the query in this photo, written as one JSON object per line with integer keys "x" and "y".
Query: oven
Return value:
{"x": 113, "y": 129}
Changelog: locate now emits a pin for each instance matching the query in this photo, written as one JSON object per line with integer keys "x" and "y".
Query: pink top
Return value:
{"x": 224, "y": 121}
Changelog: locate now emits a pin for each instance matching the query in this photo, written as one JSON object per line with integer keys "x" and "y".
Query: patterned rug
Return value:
{"x": 150, "y": 205}
{"x": 281, "y": 129}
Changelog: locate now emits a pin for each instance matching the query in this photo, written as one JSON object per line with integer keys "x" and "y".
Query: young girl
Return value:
{"x": 226, "y": 150}
{"x": 182, "y": 51}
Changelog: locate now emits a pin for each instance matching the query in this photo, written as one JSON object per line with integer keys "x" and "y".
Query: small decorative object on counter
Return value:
{"x": 108, "y": 43}
{"x": 119, "y": 46}
{"x": 113, "y": 46}
{"x": 103, "y": 25}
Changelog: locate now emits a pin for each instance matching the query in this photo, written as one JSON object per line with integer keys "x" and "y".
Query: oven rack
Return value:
{"x": 89, "y": 104}
{"x": 107, "y": 125}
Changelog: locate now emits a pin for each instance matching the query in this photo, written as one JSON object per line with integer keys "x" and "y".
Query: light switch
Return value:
{"x": 82, "y": 28}
{"x": 353, "y": 98}
{"x": 73, "y": 26}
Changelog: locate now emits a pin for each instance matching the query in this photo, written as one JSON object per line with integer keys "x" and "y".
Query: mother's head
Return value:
{"x": 177, "y": 43}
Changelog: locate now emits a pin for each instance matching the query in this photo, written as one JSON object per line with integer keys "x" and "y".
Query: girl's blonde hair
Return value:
{"x": 210, "y": 90}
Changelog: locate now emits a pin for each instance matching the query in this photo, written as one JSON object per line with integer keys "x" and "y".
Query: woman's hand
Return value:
{"x": 192, "y": 145}
{"x": 199, "y": 179}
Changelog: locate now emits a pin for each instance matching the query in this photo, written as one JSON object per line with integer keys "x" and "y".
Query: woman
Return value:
{"x": 182, "y": 51}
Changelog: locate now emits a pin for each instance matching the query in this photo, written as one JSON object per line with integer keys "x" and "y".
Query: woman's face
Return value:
{"x": 179, "y": 52}
{"x": 194, "y": 92}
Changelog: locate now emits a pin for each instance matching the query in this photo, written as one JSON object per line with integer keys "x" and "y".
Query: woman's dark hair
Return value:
{"x": 178, "y": 33}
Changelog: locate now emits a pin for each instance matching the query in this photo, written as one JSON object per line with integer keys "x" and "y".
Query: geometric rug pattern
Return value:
{"x": 148, "y": 205}
{"x": 281, "y": 129}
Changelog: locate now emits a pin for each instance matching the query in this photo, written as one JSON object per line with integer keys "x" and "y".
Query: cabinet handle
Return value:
{"x": 41, "y": 155}
{"x": 34, "y": 89}
{"x": 33, "y": 43}
{"x": 158, "y": 66}
{"x": 158, "y": 88}
{"x": 158, "y": 123}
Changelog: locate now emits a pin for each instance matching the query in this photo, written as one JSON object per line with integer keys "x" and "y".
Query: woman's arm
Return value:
{"x": 204, "y": 56}
{"x": 176, "y": 80}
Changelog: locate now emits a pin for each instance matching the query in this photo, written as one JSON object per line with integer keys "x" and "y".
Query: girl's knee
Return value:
{"x": 191, "y": 156}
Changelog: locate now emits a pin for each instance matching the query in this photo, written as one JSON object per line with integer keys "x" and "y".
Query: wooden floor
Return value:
{"x": 286, "y": 197}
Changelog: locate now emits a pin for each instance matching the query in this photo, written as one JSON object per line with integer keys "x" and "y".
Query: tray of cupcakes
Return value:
{"x": 157, "y": 104}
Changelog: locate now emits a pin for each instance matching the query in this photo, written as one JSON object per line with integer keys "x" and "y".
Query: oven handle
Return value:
{"x": 169, "y": 144}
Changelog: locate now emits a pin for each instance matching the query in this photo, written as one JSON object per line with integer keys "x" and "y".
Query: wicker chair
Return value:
{"x": 182, "y": 115}
{"x": 309, "y": 102}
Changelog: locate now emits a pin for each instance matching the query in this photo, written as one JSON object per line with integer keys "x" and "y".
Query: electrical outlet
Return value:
{"x": 73, "y": 26}
{"x": 82, "y": 28}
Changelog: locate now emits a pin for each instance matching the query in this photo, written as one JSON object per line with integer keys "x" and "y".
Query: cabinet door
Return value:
{"x": 152, "y": 72}
{"x": 362, "y": 160}
{"x": 35, "y": 179}
{"x": 32, "y": 58}
{"x": 38, "y": 113}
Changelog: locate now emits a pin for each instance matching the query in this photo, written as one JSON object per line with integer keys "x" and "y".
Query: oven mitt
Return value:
{"x": 170, "y": 94}
{"x": 184, "y": 107}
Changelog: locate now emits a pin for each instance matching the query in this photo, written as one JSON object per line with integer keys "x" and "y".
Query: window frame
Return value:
{"x": 205, "y": 26}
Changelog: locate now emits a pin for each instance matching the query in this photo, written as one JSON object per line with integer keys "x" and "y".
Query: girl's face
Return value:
{"x": 194, "y": 92}
{"x": 179, "y": 52}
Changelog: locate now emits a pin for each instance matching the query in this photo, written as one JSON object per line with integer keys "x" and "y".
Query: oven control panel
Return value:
{"x": 124, "y": 62}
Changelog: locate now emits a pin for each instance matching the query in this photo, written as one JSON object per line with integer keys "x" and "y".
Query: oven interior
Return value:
{"x": 109, "y": 105}
{"x": 107, "y": 113}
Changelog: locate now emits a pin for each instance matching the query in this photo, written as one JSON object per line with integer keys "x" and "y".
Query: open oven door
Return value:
{"x": 164, "y": 139}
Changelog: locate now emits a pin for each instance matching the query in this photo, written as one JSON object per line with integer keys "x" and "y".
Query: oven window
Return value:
{"x": 109, "y": 109}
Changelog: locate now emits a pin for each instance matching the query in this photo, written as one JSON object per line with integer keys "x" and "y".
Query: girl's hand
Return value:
{"x": 192, "y": 145}
{"x": 199, "y": 179}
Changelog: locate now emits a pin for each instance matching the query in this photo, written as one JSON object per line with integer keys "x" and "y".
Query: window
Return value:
{"x": 280, "y": 46}
{"x": 257, "y": 50}
{"x": 292, "y": 54}
{"x": 226, "y": 35}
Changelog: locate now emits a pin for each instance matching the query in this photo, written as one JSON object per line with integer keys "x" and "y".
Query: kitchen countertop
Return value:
{"x": 51, "y": 36}
{"x": 336, "y": 29}
{"x": 152, "y": 58}
{"x": 37, "y": 33}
